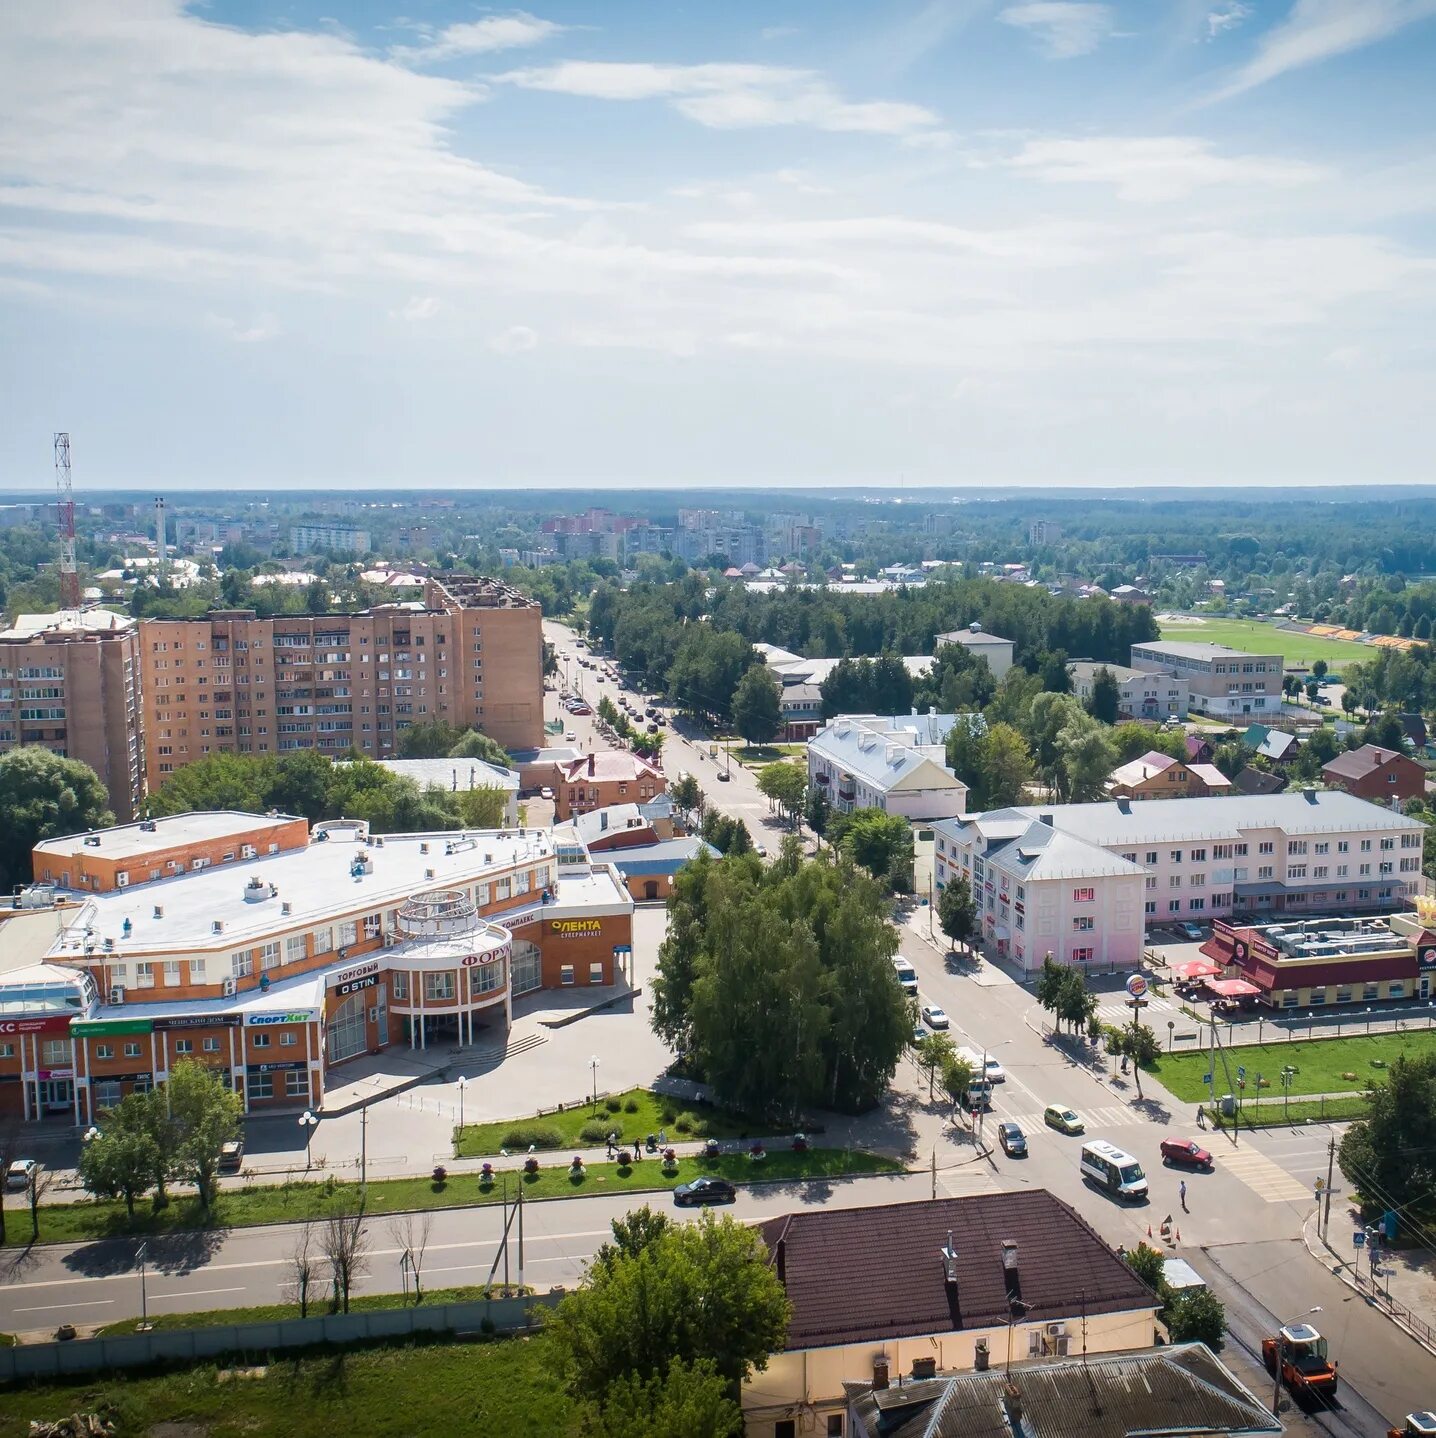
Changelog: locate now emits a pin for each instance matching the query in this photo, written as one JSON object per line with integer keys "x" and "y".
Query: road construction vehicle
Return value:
{"x": 1417, "y": 1425}
{"x": 1298, "y": 1355}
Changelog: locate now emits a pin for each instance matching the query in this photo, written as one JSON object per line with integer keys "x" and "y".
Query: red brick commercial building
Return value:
{"x": 1378, "y": 774}
{"x": 273, "y": 953}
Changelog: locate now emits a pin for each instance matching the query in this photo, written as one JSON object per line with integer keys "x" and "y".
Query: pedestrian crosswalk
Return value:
{"x": 965, "y": 1182}
{"x": 1111, "y": 1116}
{"x": 1268, "y": 1180}
{"x": 1121, "y": 1014}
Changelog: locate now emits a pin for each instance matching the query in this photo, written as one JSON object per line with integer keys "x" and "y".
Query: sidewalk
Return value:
{"x": 1403, "y": 1286}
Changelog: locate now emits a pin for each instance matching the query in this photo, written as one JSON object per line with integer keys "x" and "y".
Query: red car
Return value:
{"x": 1185, "y": 1151}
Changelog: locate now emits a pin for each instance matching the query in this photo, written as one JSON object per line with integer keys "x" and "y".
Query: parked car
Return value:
{"x": 994, "y": 1070}
{"x": 1063, "y": 1119}
{"x": 761, "y": 850}
{"x": 722, "y": 776}
{"x": 570, "y": 735}
{"x": 1185, "y": 1151}
{"x": 19, "y": 1174}
{"x": 934, "y": 1017}
{"x": 231, "y": 1155}
{"x": 1192, "y": 931}
{"x": 704, "y": 1190}
{"x": 918, "y": 1033}
{"x": 1012, "y": 1139}
{"x": 545, "y": 792}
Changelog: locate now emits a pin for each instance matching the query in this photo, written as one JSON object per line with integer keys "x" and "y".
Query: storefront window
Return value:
{"x": 488, "y": 978}
{"x": 399, "y": 986}
{"x": 261, "y": 1086}
{"x": 438, "y": 987}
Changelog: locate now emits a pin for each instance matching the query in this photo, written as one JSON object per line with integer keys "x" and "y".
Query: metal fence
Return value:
{"x": 1393, "y": 1306}
{"x": 187, "y": 1345}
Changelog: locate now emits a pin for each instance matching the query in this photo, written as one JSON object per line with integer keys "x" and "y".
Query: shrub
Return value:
{"x": 684, "y": 1123}
{"x": 613, "y": 1104}
{"x": 440, "y": 1174}
{"x": 539, "y": 1135}
{"x": 630, "y": 1105}
{"x": 697, "y": 1125}
{"x": 597, "y": 1130}
{"x": 531, "y": 1165}
{"x": 668, "y": 1115}
{"x": 625, "y": 1159}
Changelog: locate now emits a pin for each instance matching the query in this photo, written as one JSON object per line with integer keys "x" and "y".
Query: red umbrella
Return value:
{"x": 1196, "y": 969}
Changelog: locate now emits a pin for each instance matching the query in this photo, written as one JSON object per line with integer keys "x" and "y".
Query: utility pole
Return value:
{"x": 65, "y": 509}
{"x": 1330, "y": 1175}
{"x": 363, "y": 1152}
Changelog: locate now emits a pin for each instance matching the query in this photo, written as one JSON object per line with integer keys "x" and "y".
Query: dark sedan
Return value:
{"x": 1012, "y": 1139}
{"x": 704, "y": 1190}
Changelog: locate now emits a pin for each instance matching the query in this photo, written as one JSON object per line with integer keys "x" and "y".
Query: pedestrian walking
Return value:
{"x": 1201, "y": 1117}
{"x": 1182, "y": 1194}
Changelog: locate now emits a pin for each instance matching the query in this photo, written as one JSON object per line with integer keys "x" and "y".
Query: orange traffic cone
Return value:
{"x": 1149, "y": 1230}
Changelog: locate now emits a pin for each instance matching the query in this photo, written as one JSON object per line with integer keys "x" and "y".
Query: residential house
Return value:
{"x": 1181, "y": 1389}
{"x": 1199, "y": 750}
{"x": 1252, "y": 780}
{"x": 934, "y": 1282}
{"x": 1221, "y": 682}
{"x": 896, "y": 763}
{"x": 602, "y": 779}
{"x": 1130, "y": 594}
{"x": 1141, "y": 693}
{"x": 1303, "y": 852}
{"x": 801, "y": 706}
{"x": 991, "y": 647}
{"x": 1274, "y": 744}
{"x": 1380, "y": 775}
{"x": 1155, "y": 775}
{"x": 1039, "y": 891}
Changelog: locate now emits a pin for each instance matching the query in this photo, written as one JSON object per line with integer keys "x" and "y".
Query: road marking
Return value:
{"x": 1268, "y": 1180}
{"x": 47, "y": 1307}
{"x": 195, "y": 1293}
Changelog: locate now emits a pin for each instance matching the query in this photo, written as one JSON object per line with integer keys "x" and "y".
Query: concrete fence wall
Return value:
{"x": 138, "y": 1350}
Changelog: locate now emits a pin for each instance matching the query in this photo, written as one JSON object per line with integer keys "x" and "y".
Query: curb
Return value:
{"x": 1324, "y": 1255}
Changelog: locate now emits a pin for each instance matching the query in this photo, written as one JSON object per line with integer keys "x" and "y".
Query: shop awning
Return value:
{"x": 1232, "y": 988}
{"x": 1196, "y": 969}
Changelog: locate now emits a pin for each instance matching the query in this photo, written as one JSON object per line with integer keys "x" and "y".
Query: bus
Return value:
{"x": 906, "y": 976}
{"x": 1114, "y": 1171}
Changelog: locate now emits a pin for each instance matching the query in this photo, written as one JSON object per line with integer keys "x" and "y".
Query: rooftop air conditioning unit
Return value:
{"x": 109, "y": 946}
{"x": 159, "y": 911}
{"x": 117, "y": 994}
{"x": 228, "y": 988}
{"x": 423, "y": 848}
{"x": 428, "y": 873}
{"x": 217, "y": 927}
{"x": 286, "y": 907}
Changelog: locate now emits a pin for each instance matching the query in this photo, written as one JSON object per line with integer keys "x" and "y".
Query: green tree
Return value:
{"x": 935, "y": 1051}
{"x": 1106, "y": 695}
{"x": 956, "y": 1075}
{"x": 757, "y": 715}
{"x": 204, "y": 1114}
{"x": 699, "y": 1292}
{"x": 43, "y": 796}
{"x": 1319, "y": 669}
{"x": 875, "y": 839}
{"x": 819, "y": 812}
{"x": 679, "y": 954}
{"x": 1148, "y": 1264}
{"x": 1006, "y": 767}
{"x": 1197, "y": 1316}
{"x": 691, "y": 1400}
{"x": 473, "y": 745}
{"x": 1389, "y": 1157}
{"x": 1086, "y": 756}
{"x": 786, "y": 785}
{"x": 428, "y": 739}
{"x": 686, "y": 794}
{"x": 120, "y": 1162}
{"x": 479, "y": 808}
{"x": 956, "y": 910}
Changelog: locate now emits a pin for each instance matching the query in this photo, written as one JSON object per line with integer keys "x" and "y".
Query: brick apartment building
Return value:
{"x": 471, "y": 654}
{"x": 603, "y": 779}
{"x": 70, "y": 682}
{"x": 1378, "y": 774}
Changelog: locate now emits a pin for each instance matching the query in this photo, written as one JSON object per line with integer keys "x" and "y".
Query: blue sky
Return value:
{"x": 960, "y": 242}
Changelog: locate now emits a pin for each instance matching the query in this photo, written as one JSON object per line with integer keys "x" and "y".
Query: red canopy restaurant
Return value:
{"x": 1316, "y": 963}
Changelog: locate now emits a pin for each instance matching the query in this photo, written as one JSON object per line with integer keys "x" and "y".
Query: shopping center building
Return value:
{"x": 273, "y": 952}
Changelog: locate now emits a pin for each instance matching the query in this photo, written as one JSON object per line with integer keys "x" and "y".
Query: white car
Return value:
{"x": 19, "y": 1174}
{"x": 545, "y": 792}
{"x": 761, "y": 850}
{"x": 570, "y": 736}
{"x": 934, "y": 1017}
{"x": 995, "y": 1072}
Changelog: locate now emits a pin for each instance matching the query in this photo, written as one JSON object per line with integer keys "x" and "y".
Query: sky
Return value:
{"x": 333, "y": 243}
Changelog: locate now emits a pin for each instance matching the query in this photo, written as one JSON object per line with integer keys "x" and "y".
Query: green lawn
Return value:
{"x": 293, "y": 1203}
{"x": 279, "y": 1312}
{"x": 1254, "y": 637}
{"x": 650, "y": 1113}
{"x": 418, "y": 1391}
{"x": 760, "y": 754}
{"x": 1320, "y": 1064}
{"x": 1276, "y": 1115}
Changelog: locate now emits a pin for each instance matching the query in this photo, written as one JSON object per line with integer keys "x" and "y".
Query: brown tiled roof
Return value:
{"x": 856, "y": 1274}
{"x": 1358, "y": 763}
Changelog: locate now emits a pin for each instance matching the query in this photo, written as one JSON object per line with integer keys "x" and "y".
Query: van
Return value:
{"x": 231, "y": 1155}
{"x": 906, "y": 976}
{"x": 1114, "y": 1171}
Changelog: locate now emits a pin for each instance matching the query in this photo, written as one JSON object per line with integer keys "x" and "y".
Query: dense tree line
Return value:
{"x": 43, "y": 796}
{"x": 776, "y": 982}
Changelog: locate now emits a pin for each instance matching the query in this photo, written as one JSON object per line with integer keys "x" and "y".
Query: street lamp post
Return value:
{"x": 1280, "y": 1344}
{"x": 140, "y": 1254}
{"x": 593, "y": 1069}
{"x": 308, "y": 1121}
{"x": 463, "y": 1084}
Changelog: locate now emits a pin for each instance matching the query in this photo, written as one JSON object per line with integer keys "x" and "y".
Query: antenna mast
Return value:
{"x": 65, "y": 505}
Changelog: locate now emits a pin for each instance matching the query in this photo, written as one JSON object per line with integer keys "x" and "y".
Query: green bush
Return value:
{"x": 597, "y": 1130}
{"x": 690, "y": 1122}
{"x": 630, "y": 1105}
{"x": 683, "y": 1123}
{"x": 668, "y": 1115}
{"x": 613, "y": 1104}
{"x": 536, "y": 1135}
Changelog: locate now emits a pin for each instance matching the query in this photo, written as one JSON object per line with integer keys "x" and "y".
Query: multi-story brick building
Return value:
{"x": 1378, "y": 774}
{"x": 1223, "y": 683}
{"x": 232, "y": 682}
{"x": 274, "y": 953}
{"x": 603, "y": 779}
{"x": 71, "y": 682}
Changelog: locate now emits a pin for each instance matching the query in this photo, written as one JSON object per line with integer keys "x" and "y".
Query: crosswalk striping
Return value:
{"x": 964, "y": 1182}
{"x": 1268, "y": 1180}
{"x": 1115, "y": 1116}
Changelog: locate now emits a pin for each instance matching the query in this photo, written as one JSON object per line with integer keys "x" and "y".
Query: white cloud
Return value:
{"x": 730, "y": 96}
{"x": 1064, "y": 28}
{"x": 263, "y": 328}
{"x": 1157, "y": 168}
{"x": 514, "y": 340}
{"x": 1227, "y": 16}
{"x": 1317, "y": 30}
{"x": 481, "y": 37}
{"x": 421, "y": 307}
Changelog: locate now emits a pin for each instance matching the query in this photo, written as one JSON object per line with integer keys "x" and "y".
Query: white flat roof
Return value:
{"x": 314, "y": 881}
{"x": 160, "y": 835}
{"x": 451, "y": 774}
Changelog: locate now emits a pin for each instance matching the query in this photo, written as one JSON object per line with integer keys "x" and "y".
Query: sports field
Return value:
{"x": 1253, "y": 637}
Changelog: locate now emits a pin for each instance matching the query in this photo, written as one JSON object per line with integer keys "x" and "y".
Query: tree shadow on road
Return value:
{"x": 173, "y": 1253}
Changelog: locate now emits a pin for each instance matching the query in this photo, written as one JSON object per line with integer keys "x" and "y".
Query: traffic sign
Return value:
{"x": 1241, "y": 1071}
{"x": 1207, "y": 1079}
{"x": 1320, "y": 1184}
{"x": 1358, "y": 1238}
